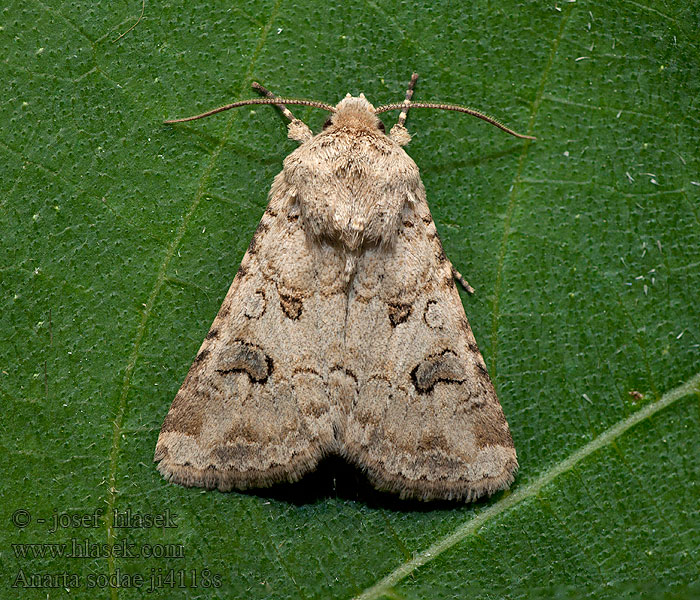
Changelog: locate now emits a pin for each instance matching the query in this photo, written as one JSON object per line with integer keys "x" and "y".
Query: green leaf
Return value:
{"x": 120, "y": 237}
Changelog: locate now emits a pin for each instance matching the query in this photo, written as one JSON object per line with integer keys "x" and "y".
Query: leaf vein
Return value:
{"x": 161, "y": 278}
{"x": 692, "y": 386}
{"x": 512, "y": 201}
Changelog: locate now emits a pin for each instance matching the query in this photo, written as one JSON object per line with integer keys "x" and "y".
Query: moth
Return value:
{"x": 343, "y": 331}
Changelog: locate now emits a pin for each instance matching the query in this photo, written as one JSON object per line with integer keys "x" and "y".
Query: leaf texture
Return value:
{"x": 120, "y": 237}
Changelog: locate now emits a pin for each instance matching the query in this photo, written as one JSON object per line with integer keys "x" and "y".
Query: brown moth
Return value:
{"x": 342, "y": 332}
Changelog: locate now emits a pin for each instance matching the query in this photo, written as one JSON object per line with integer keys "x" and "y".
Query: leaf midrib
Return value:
{"x": 383, "y": 586}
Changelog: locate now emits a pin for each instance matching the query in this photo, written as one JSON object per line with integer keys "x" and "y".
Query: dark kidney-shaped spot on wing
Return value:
{"x": 444, "y": 367}
{"x": 243, "y": 357}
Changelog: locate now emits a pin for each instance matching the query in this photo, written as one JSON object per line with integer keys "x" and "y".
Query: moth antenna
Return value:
{"x": 277, "y": 101}
{"x": 405, "y": 105}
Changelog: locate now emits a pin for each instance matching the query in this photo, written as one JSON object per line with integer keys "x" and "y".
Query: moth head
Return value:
{"x": 354, "y": 113}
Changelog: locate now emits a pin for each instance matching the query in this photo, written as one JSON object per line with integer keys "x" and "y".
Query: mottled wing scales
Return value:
{"x": 426, "y": 421}
{"x": 254, "y": 408}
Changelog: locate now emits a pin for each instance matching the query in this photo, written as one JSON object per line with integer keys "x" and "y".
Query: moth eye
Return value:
{"x": 328, "y": 122}
{"x": 381, "y": 127}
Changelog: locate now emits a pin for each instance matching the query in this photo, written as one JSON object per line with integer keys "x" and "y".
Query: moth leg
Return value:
{"x": 462, "y": 281}
{"x": 298, "y": 130}
{"x": 398, "y": 132}
{"x": 409, "y": 94}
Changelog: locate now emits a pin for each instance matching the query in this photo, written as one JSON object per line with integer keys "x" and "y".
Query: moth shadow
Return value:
{"x": 336, "y": 478}
{"x": 449, "y": 166}
{"x": 206, "y": 143}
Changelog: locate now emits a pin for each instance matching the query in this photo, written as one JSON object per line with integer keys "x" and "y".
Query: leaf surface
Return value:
{"x": 121, "y": 237}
